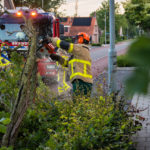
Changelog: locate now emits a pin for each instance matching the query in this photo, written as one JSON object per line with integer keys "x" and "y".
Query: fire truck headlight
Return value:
{"x": 19, "y": 13}
{"x": 33, "y": 13}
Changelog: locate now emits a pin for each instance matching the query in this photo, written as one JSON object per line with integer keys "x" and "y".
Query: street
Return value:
{"x": 99, "y": 56}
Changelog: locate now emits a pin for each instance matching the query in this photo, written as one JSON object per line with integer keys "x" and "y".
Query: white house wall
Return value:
{"x": 95, "y": 36}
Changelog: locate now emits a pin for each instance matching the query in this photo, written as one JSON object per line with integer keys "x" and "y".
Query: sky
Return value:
{"x": 85, "y": 7}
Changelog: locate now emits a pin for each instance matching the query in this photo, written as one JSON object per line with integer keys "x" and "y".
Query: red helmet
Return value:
{"x": 83, "y": 38}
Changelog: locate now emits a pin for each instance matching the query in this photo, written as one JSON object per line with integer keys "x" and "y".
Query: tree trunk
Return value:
{"x": 25, "y": 95}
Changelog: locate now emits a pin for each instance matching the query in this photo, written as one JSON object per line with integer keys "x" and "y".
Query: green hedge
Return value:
{"x": 122, "y": 61}
{"x": 96, "y": 44}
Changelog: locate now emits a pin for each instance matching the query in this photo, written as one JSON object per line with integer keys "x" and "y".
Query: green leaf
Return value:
{"x": 6, "y": 148}
{"x": 2, "y": 128}
{"x": 5, "y": 121}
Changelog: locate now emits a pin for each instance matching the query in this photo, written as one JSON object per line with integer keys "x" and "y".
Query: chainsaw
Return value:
{"x": 45, "y": 48}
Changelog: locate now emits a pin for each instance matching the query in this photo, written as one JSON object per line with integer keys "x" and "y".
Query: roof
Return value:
{"x": 79, "y": 24}
{"x": 84, "y": 26}
{"x": 66, "y": 21}
{"x": 82, "y": 21}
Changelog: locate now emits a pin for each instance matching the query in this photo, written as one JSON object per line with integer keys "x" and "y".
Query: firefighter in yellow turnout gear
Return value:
{"x": 79, "y": 63}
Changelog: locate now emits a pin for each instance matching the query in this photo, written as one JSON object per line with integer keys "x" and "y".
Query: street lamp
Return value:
{"x": 112, "y": 52}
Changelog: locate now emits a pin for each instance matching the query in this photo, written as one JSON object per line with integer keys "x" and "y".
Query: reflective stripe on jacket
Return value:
{"x": 80, "y": 64}
{"x": 84, "y": 72}
{"x": 4, "y": 62}
{"x": 62, "y": 85}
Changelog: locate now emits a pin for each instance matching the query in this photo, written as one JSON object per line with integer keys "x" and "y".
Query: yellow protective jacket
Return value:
{"x": 80, "y": 64}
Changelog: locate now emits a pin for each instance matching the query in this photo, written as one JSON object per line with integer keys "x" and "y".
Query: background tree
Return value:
{"x": 138, "y": 13}
{"x": 49, "y": 5}
{"x": 100, "y": 16}
{"x": 120, "y": 21}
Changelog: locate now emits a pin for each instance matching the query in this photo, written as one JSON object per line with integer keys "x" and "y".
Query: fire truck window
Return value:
{"x": 13, "y": 33}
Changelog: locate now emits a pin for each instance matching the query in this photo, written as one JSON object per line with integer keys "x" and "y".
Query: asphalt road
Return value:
{"x": 99, "y": 56}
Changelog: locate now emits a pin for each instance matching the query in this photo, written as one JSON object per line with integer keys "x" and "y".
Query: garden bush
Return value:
{"x": 90, "y": 124}
{"x": 123, "y": 61}
{"x": 9, "y": 79}
{"x": 96, "y": 44}
{"x": 102, "y": 40}
{"x": 97, "y": 123}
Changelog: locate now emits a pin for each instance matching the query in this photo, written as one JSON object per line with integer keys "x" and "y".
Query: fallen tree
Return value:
{"x": 27, "y": 89}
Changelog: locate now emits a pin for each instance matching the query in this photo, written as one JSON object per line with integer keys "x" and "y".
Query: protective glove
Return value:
{"x": 49, "y": 39}
{"x": 46, "y": 40}
{"x": 55, "y": 57}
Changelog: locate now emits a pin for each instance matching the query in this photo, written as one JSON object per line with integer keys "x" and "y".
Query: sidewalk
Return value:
{"x": 142, "y": 137}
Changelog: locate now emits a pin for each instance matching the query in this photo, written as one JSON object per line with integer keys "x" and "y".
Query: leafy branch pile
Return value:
{"x": 96, "y": 123}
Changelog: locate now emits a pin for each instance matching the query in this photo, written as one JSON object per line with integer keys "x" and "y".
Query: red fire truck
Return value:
{"x": 12, "y": 36}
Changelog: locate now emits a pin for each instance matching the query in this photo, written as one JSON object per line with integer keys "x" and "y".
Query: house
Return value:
{"x": 73, "y": 26}
{"x": 7, "y": 4}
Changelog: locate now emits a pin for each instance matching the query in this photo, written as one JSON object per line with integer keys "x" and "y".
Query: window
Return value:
{"x": 12, "y": 32}
{"x": 96, "y": 28}
{"x": 66, "y": 29}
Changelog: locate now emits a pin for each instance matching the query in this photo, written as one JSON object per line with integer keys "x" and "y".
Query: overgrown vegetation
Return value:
{"x": 94, "y": 123}
{"x": 89, "y": 124}
{"x": 96, "y": 44}
{"x": 123, "y": 61}
{"x": 139, "y": 54}
{"x": 9, "y": 87}
{"x": 9, "y": 79}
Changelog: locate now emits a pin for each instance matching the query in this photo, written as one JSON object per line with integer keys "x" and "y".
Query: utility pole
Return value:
{"x": 112, "y": 52}
{"x": 105, "y": 26}
{"x": 76, "y": 8}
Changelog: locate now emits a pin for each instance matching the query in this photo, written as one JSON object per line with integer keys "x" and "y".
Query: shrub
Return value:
{"x": 41, "y": 116}
{"x": 9, "y": 79}
{"x": 102, "y": 40}
{"x": 90, "y": 124}
{"x": 96, "y": 44}
{"x": 122, "y": 61}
